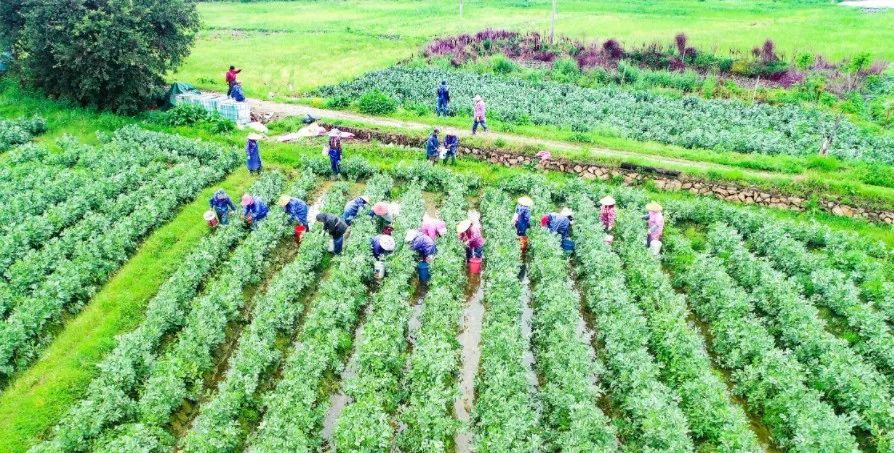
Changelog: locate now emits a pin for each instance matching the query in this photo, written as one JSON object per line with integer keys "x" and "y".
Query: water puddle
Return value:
{"x": 415, "y": 323}
{"x": 339, "y": 400}
{"x": 470, "y": 341}
{"x": 527, "y": 315}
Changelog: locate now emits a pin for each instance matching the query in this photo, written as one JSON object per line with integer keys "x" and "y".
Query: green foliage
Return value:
{"x": 22, "y": 130}
{"x": 376, "y": 103}
{"x": 565, "y": 70}
{"x": 338, "y": 102}
{"x": 502, "y": 65}
{"x": 111, "y": 55}
{"x": 192, "y": 114}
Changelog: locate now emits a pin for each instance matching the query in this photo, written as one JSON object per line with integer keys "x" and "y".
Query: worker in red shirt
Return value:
{"x": 231, "y": 79}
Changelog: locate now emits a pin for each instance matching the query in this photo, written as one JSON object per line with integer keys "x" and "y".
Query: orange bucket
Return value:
{"x": 211, "y": 218}
{"x": 523, "y": 242}
{"x": 299, "y": 230}
{"x": 475, "y": 265}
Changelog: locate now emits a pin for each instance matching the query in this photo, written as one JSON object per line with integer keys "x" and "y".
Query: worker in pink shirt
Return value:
{"x": 231, "y": 79}
{"x": 607, "y": 213}
{"x": 655, "y": 221}
{"x": 480, "y": 115}
{"x": 433, "y": 227}
{"x": 470, "y": 234}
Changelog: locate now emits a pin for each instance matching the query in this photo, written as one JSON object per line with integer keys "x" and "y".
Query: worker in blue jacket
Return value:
{"x": 451, "y": 142}
{"x": 423, "y": 245}
{"x": 522, "y": 217}
{"x": 336, "y": 227}
{"x": 443, "y": 93}
{"x": 352, "y": 208}
{"x": 253, "y": 154}
{"x": 560, "y": 223}
{"x": 222, "y": 205}
{"x": 381, "y": 245}
{"x": 254, "y": 209}
{"x": 296, "y": 210}
{"x": 431, "y": 147}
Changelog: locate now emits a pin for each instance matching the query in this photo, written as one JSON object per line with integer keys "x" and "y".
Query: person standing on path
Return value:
{"x": 450, "y": 142}
{"x": 443, "y": 99}
{"x": 480, "y": 111}
{"x": 335, "y": 151}
{"x": 253, "y": 153}
{"x": 222, "y": 205}
{"x": 231, "y": 79}
{"x": 431, "y": 147}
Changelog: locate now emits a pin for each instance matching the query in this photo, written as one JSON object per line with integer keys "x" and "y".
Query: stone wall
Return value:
{"x": 664, "y": 180}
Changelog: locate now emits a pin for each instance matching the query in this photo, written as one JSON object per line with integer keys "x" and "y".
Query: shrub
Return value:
{"x": 338, "y": 102}
{"x": 185, "y": 115}
{"x": 376, "y": 103}
{"x": 502, "y": 65}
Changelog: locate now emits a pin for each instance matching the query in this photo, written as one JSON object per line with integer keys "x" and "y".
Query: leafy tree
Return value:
{"x": 106, "y": 53}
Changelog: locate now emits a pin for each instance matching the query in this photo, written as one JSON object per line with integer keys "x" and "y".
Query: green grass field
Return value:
{"x": 287, "y": 48}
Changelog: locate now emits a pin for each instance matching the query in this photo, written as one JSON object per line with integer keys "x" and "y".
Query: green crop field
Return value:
{"x": 765, "y": 321}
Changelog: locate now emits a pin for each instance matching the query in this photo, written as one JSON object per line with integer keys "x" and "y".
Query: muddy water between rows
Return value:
{"x": 470, "y": 341}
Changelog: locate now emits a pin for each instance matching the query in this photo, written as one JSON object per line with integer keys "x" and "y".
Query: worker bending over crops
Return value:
{"x": 254, "y": 209}
{"x": 470, "y": 235}
{"x": 522, "y": 220}
{"x": 335, "y": 151}
{"x": 560, "y": 223}
{"x": 296, "y": 209}
{"x": 336, "y": 228}
{"x": 431, "y": 147}
{"x": 479, "y": 109}
{"x": 383, "y": 214}
{"x": 381, "y": 246}
{"x": 353, "y": 207}
{"x": 433, "y": 227}
{"x": 423, "y": 245}
{"x": 443, "y": 94}
{"x": 607, "y": 213}
{"x": 253, "y": 154}
{"x": 655, "y": 221}
{"x": 450, "y": 142}
{"x": 222, "y": 205}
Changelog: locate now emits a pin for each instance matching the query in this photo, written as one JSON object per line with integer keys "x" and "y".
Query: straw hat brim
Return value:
{"x": 607, "y": 201}
{"x": 255, "y": 136}
{"x": 283, "y": 201}
{"x": 654, "y": 207}
{"x": 526, "y": 201}
{"x": 463, "y": 226}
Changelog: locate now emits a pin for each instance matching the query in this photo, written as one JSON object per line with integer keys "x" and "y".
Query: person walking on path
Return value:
{"x": 353, "y": 207}
{"x": 655, "y": 222}
{"x": 296, "y": 210}
{"x": 336, "y": 227}
{"x": 450, "y": 142}
{"x": 231, "y": 79}
{"x": 470, "y": 234}
{"x": 335, "y": 151}
{"x": 607, "y": 213}
{"x": 222, "y": 205}
{"x": 431, "y": 147}
{"x": 253, "y": 154}
{"x": 254, "y": 209}
{"x": 480, "y": 111}
{"x": 443, "y": 93}
{"x": 433, "y": 227}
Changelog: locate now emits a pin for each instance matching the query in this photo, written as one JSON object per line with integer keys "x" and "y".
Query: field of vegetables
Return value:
{"x": 691, "y": 122}
{"x": 745, "y": 335}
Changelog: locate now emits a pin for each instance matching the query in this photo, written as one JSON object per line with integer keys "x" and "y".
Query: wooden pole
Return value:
{"x": 552, "y": 25}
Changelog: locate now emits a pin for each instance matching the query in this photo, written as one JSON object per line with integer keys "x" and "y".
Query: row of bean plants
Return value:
{"x": 569, "y": 374}
{"x": 109, "y": 398}
{"x": 179, "y": 374}
{"x": 18, "y": 131}
{"x": 769, "y": 378}
{"x": 832, "y": 289}
{"x": 690, "y": 121}
{"x": 76, "y": 278}
{"x": 507, "y": 411}
{"x": 294, "y": 409}
{"x": 833, "y": 368}
{"x": 274, "y": 316}
{"x": 430, "y": 380}
{"x": 374, "y": 390}
{"x": 648, "y": 411}
{"x": 680, "y": 348}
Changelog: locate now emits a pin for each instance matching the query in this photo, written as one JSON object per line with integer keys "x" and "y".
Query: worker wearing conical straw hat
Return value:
{"x": 607, "y": 213}
{"x": 353, "y": 207}
{"x": 296, "y": 209}
{"x": 655, "y": 220}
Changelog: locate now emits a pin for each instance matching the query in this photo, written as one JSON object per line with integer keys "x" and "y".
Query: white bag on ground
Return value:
{"x": 655, "y": 248}
{"x": 331, "y": 245}
{"x": 379, "y": 268}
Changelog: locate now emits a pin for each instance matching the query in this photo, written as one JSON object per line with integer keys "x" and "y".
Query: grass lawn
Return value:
{"x": 287, "y": 48}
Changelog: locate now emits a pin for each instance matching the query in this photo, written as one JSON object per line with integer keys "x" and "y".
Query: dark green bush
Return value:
{"x": 376, "y": 103}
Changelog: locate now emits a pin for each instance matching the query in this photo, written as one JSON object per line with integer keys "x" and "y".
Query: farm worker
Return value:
{"x": 522, "y": 217}
{"x": 381, "y": 245}
{"x": 253, "y": 153}
{"x": 296, "y": 209}
{"x": 450, "y": 142}
{"x": 607, "y": 213}
{"x": 470, "y": 234}
{"x": 237, "y": 93}
{"x": 480, "y": 109}
{"x": 254, "y": 209}
{"x": 231, "y": 79}
{"x": 222, "y": 205}
{"x": 423, "y": 245}
{"x": 443, "y": 99}
{"x": 655, "y": 221}
{"x": 560, "y": 223}
{"x": 353, "y": 207}
{"x": 431, "y": 147}
{"x": 433, "y": 227}
{"x": 335, "y": 151}
{"x": 336, "y": 227}
{"x": 383, "y": 214}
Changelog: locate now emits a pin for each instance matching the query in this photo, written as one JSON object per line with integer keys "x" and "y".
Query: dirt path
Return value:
{"x": 280, "y": 109}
